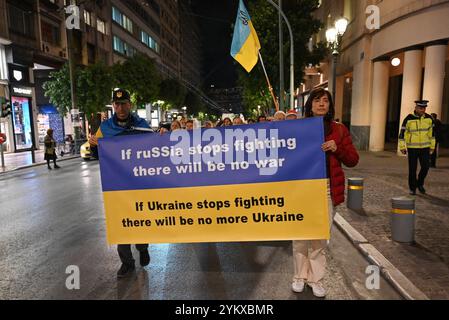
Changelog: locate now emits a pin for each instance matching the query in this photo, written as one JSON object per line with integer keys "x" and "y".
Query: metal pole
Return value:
{"x": 334, "y": 73}
{"x": 281, "y": 60}
{"x": 3, "y": 157}
{"x": 1, "y": 151}
{"x": 75, "y": 115}
{"x": 292, "y": 55}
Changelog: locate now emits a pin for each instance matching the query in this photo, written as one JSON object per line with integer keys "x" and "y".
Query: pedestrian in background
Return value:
{"x": 279, "y": 116}
{"x": 417, "y": 140}
{"x": 438, "y": 133}
{"x": 262, "y": 119}
{"x": 189, "y": 125}
{"x": 50, "y": 149}
{"x": 237, "y": 121}
{"x": 123, "y": 123}
{"x": 208, "y": 124}
{"x": 291, "y": 115}
{"x": 226, "y": 122}
{"x": 175, "y": 125}
{"x": 310, "y": 267}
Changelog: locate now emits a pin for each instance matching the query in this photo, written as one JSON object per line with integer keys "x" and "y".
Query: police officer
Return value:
{"x": 417, "y": 139}
{"x": 123, "y": 123}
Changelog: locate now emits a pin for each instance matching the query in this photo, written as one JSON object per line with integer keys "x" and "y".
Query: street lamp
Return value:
{"x": 333, "y": 37}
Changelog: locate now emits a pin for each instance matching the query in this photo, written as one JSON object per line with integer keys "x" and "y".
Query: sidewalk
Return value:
{"x": 14, "y": 161}
{"x": 426, "y": 262}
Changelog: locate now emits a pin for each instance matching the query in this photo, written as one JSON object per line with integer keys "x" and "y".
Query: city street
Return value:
{"x": 219, "y": 122}
{"x": 54, "y": 219}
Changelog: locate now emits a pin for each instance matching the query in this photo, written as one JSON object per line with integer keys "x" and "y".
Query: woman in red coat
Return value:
{"x": 310, "y": 267}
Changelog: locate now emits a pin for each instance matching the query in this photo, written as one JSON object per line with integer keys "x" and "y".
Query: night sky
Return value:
{"x": 216, "y": 19}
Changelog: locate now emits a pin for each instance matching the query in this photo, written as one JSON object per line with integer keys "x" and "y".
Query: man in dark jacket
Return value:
{"x": 417, "y": 140}
{"x": 123, "y": 123}
{"x": 438, "y": 130}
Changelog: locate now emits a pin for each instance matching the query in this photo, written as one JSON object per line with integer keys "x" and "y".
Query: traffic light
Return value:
{"x": 6, "y": 110}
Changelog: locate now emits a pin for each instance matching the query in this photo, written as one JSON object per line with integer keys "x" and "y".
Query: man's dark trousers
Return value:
{"x": 423, "y": 155}
{"x": 433, "y": 157}
{"x": 126, "y": 256}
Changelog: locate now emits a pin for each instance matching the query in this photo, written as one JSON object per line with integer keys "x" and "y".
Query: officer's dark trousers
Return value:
{"x": 433, "y": 157}
{"x": 423, "y": 155}
{"x": 126, "y": 256}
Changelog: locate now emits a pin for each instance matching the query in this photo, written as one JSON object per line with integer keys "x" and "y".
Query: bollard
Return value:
{"x": 355, "y": 194}
{"x": 403, "y": 220}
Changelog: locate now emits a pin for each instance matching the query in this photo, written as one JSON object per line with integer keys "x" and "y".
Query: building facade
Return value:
{"x": 384, "y": 67}
{"x": 170, "y": 38}
{"x": 34, "y": 42}
{"x": 190, "y": 46}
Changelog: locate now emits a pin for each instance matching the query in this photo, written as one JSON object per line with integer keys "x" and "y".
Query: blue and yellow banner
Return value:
{"x": 243, "y": 183}
{"x": 245, "y": 42}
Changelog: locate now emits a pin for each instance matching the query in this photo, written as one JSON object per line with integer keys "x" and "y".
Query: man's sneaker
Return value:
{"x": 144, "y": 258}
{"x": 317, "y": 289}
{"x": 413, "y": 192}
{"x": 422, "y": 190}
{"x": 125, "y": 270}
{"x": 57, "y": 167}
{"x": 298, "y": 285}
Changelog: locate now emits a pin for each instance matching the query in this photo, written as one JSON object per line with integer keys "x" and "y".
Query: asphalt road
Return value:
{"x": 51, "y": 220}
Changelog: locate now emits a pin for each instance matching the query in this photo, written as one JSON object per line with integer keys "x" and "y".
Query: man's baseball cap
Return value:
{"x": 422, "y": 103}
{"x": 120, "y": 95}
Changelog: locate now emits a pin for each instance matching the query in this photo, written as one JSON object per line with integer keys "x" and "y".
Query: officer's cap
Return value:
{"x": 120, "y": 96}
{"x": 422, "y": 103}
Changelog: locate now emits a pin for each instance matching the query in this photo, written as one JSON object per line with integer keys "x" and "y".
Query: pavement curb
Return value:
{"x": 37, "y": 164}
{"x": 395, "y": 277}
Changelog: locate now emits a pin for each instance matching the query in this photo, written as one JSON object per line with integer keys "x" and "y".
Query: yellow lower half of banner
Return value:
{"x": 276, "y": 211}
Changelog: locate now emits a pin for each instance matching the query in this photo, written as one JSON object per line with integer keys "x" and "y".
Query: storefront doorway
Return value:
{"x": 22, "y": 117}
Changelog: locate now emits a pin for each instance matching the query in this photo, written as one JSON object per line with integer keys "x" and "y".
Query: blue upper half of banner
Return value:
{"x": 258, "y": 153}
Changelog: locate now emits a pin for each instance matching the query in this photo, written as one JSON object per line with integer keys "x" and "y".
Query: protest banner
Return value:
{"x": 262, "y": 182}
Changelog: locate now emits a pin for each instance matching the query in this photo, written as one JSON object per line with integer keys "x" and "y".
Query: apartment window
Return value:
{"x": 127, "y": 24}
{"x": 144, "y": 37}
{"x": 122, "y": 20}
{"x": 116, "y": 15}
{"x": 149, "y": 41}
{"x": 50, "y": 33}
{"x": 118, "y": 45}
{"x": 123, "y": 47}
{"x": 90, "y": 53}
{"x": 101, "y": 26}
{"x": 129, "y": 50}
{"x": 88, "y": 18}
{"x": 20, "y": 21}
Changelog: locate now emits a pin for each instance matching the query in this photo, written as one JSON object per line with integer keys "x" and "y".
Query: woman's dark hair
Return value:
{"x": 329, "y": 117}
{"x": 227, "y": 118}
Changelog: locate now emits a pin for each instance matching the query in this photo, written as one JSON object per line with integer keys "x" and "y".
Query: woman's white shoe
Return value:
{"x": 298, "y": 286}
{"x": 317, "y": 289}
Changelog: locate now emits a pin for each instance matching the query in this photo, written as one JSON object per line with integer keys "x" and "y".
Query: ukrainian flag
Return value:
{"x": 245, "y": 43}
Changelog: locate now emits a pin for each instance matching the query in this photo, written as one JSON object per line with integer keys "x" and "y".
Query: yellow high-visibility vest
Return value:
{"x": 417, "y": 132}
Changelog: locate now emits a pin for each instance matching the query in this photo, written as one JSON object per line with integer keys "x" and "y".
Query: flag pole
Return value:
{"x": 276, "y": 103}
